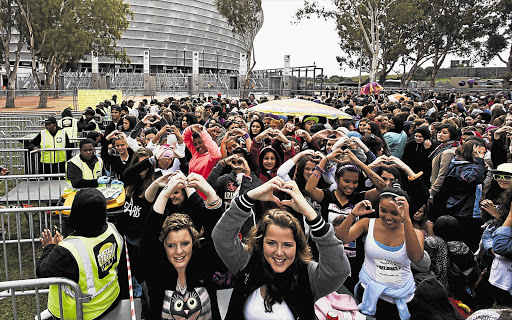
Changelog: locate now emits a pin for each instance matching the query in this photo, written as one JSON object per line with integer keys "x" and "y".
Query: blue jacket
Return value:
{"x": 463, "y": 187}
{"x": 502, "y": 244}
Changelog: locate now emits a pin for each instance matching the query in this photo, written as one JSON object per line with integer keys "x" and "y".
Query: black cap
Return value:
{"x": 88, "y": 213}
{"x": 50, "y": 119}
{"x": 90, "y": 112}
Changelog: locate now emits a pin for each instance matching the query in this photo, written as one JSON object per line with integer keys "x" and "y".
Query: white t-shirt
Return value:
{"x": 501, "y": 273}
{"x": 254, "y": 309}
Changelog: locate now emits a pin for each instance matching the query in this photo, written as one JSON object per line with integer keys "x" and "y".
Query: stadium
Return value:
{"x": 171, "y": 34}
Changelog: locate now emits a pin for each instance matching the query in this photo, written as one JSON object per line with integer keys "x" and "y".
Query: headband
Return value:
{"x": 348, "y": 165}
{"x": 394, "y": 195}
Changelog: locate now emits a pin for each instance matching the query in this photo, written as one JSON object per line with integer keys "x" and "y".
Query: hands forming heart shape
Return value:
{"x": 388, "y": 162}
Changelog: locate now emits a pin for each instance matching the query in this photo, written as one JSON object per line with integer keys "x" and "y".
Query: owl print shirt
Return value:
{"x": 191, "y": 305}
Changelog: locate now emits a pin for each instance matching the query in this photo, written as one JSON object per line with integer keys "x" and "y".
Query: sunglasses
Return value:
{"x": 502, "y": 177}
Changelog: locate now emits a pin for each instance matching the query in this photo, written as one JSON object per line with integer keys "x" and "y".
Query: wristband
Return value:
{"x": 316, "y": 174}
{"x": 246, "y": 136}
{"x": 317, "y": 167}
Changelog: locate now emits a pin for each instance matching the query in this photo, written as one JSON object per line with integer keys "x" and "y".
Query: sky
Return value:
{"x": 308, "y": 42}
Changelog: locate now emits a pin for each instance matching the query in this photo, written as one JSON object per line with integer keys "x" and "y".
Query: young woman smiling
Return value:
{"x": 120, "y": 159}
{"x": 178, "y": 272}
{"x": 386, "y": 283}
{"x": 278, "y": 280}
{"x": 205, "y": 152}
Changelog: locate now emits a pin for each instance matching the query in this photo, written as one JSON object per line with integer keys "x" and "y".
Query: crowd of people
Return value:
{"x": 403, "y": 207}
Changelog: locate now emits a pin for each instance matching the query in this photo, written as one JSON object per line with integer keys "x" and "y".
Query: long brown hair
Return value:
{"x": 278, "y": 284}
{"x": 137, "y": 189}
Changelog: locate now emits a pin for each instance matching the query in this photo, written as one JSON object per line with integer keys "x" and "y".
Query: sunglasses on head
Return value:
{"x": 502, "y": 177}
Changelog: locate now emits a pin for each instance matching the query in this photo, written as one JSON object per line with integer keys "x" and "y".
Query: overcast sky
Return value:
{"x": 310, "y": 41}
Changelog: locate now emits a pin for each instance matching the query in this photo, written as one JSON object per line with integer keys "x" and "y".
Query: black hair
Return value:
{"x": 392, "y": 192}
{"x": 191, "y": 119}
{"x": 261, "y": 130}
{"x": 447, "y": 228}
{"x": 86, "y": 141}
{"x": 299, "y": 173}
{"x": 399, "y": 124}
{"x": 346, "y": 167}
{"x": 454, "y": 134}
{"x": 366, "y": 110}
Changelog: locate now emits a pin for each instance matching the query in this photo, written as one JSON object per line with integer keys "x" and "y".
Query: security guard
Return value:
{"x": 90, "y": 257}
{"x": 85, "y": 170}
{"x": 70, "y": 124}
{"x": 52, "y": 137}
{"x": 88, "y": 122}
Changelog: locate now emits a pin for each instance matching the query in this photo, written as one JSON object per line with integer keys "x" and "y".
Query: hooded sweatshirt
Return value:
{"x": 257, "y": 154}
{"x": 416, "y": 156}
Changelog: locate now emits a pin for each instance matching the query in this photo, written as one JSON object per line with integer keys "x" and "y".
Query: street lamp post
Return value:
{"x": 183, "y": 59}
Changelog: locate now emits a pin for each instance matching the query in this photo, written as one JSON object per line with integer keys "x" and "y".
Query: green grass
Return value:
{"x": 25, "y": 305}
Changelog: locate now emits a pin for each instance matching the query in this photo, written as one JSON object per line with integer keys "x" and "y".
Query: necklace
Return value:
{"x": 181, "y": 289}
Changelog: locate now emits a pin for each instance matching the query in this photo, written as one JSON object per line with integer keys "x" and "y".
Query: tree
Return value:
{"x": 10, "y": 20}
{"x": 499, "y": 42}
{"x": 67, "y": 30}
{"x": 246, "y": 19}
{"x": 379, "y": 28}
{"x": 453, "y": 28}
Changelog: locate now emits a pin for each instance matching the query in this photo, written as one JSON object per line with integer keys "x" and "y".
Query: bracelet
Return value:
{"x": 246, "y": 136}
{"x": 317, "y": 167}
{"x": 316, "y": 174}
{"x": 213, "y": 203}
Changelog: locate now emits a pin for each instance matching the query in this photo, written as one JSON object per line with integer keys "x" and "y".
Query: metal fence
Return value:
{"x": 21, "y": 228}
{"x": 31, "y": 190}
{"x": 17, "y": 288}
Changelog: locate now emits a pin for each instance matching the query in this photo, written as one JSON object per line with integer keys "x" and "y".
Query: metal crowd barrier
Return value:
{"x": 32, "y": 189}
{"x": 21, "y": 229}
{"x": 17, "y": 288}
{"x": 16, "y": 160}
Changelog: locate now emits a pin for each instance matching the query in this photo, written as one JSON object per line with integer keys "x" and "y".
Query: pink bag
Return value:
{"x": 343, "y": 304}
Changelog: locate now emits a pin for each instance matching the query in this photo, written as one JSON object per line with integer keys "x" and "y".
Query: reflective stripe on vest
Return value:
{"x": 72, "y": 130}
{"x": 99, "y": 293}
{"x": 87, "y": 173}
{"x": 52, "y": 142}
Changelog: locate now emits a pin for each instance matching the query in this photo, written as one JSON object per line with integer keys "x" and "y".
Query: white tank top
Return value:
{"x": 385, "y": 265}
{"x": 254, "y": 309}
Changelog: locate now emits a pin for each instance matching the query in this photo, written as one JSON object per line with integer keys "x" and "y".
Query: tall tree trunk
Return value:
{"x": 56, "y": 93}
{"x": 43, "y": 95}
{"x": 374, "y": 66}
{"x": 508, "y": 74}
{"x": 11, "y": 86}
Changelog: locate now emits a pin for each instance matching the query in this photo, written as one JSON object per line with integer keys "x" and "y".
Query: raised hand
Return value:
{"x": 363, "y": 208}
{"x": 298, "y": 202}
{"x": 265, "y": 192}
{"x": 402, "y": 206}
{"x": 47, "y": 238}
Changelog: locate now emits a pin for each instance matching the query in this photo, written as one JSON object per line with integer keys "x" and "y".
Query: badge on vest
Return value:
{"x": 59, "y": 140}
{"x": 106, "y": 255}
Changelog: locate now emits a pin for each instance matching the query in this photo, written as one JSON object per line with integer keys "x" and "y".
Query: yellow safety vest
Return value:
{"x": 97, "y": 128}
{"x": 53, "y": 142}
{"x": 87, "y": 173}
{"x": 70, "y": 125}
{"x": 97, "y": 259}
